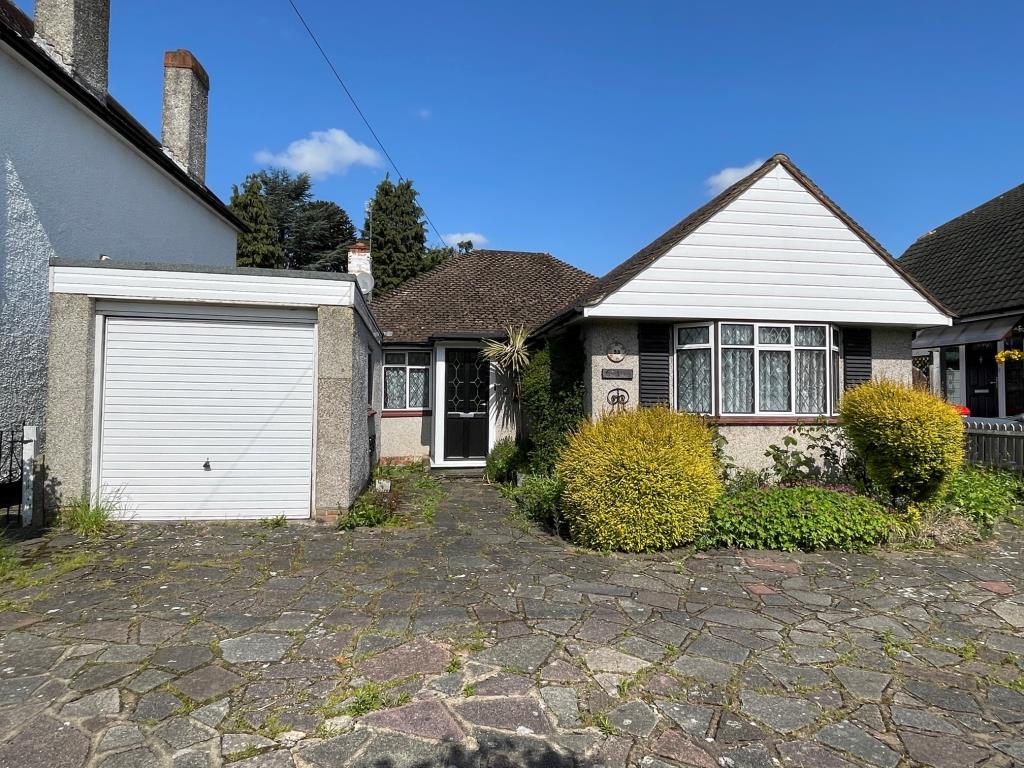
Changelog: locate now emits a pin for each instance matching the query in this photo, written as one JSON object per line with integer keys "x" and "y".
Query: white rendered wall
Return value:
{"x": 70, "y": 187}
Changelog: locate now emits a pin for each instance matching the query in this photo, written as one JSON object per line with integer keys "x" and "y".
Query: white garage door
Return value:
{"x": 207, "y": 419}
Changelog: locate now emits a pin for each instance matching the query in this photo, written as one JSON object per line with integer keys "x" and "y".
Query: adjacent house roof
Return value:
{"x": 476, "y": 294}
{"x": 17, "y": 31}
{"x": 646, "y": 256}
{"x": 975, "y": 263}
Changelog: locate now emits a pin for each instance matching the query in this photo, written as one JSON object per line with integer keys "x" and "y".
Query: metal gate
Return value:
{"x": 11, "y": 440}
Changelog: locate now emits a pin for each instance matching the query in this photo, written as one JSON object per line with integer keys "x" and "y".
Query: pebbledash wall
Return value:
{"x": 71, "y": 187}
{"x": 348, "y": 350}
{"x": 891, "y": 358}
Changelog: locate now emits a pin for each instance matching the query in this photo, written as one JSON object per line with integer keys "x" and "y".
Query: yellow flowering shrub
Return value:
{"x": 911, "y": 441}
{"x": 638, "y": 481}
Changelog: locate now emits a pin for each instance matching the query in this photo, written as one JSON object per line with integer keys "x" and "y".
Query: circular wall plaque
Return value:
{"x": 616, "y": 352}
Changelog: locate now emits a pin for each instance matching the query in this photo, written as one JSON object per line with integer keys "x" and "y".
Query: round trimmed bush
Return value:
{"x": 911, "y": 442}
{"x": 638, "y": 481}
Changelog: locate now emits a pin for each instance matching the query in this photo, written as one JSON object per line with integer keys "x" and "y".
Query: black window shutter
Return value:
{"x": 655, "y": 344}
{"x": 856, "y": 356}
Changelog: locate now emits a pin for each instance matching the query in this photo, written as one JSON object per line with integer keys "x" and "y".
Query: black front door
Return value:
{"x": 982, "y": 379}
{"x": 467, "y": 380}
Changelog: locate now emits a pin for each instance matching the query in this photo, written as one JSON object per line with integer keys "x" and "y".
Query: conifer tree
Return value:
{"x": 259, "y": 247}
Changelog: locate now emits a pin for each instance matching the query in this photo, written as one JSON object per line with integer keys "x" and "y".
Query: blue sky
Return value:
{"x": 588, "y": 128}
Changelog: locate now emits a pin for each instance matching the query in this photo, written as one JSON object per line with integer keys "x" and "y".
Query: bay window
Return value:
{"x": 406, "y": 381}
{"x": 770, "y": 369}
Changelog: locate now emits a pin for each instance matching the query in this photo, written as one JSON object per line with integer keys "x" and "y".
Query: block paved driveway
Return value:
{"x": 198, "y": 645}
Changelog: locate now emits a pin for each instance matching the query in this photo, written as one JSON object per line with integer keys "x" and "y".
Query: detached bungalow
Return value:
{"x": 757, "y": 309}
{"x": 975, "y": 265}
{"x": 242, "y": 393}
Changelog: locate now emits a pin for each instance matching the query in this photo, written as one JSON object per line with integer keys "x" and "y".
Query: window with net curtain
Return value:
{"x": 763, "y": 369}
{"x": 406, "y": 381}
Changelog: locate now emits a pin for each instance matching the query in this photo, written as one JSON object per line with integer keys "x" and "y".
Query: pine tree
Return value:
{"x": 397, "y": 235}
{"x": 285, "y": 195}
{"x": 260, "y": 246}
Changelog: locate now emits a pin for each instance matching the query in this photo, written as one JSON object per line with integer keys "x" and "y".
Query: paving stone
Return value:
{"x": 795, "y": 677}
{"x": 522, "y": 653}
{"x": 207, "y": 683}
{"x": 100, "y": 676}
{"x": 563, "y": 703}
{"x": 862, "y": 683}
{"x": 233, "y": 743}
{"x": 847, "y": 737}
{"x": 117, "y": 653}
{"x": 923, "y": 720}
{"x": 333, "y": 752}
{"x": 427, "y": 719}
{"x": 748, "y": 756}
{"x": 707, "y": 670}
{"x": 503, "y": 684}
{"x": 610, "y": 660}
{"x": 392, "y": 750}
{"x": 182, "y": 658}
{"x": 155, "y": 706}
{"x": 693, "y": 719}
{"x": 181, "y": 732}
{"x": 807, "y": 754}
{"x": 120, "y": 736}
{"x": 107, "y": 702}
{"x": 419, "y": 657}
{"x": 212, "y": 714}
{"x": 634, "y": 718}
{"x": 278, "y": 759}
{"x": 942, "y": 751}
{"x": 941, "y": 697}
{"x": 255, "y": 647}
{"x": 191, "y": 759}
{"x": 47, "y": 743}
{"x": 136, "y": 758}
{"x": 735, "y": 617}
{"x": 509, "y": 713}
{"x": 674, "y": 745}
{"x": 559, "y": 671}
{"x": 778, "y": 712}
{"x": 148, "y": 679}
{"x": 1011, "y": 613}
{"x": 716, "y": 648}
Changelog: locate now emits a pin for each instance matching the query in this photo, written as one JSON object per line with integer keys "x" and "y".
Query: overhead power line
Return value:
{"x": 366, "y": 122}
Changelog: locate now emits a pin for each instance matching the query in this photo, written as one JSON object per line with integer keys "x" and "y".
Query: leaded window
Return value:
{"x": 694, "y": 369}
{"x": 406, "y": 380}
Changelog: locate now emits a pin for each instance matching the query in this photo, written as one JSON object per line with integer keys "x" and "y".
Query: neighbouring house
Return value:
{"x": 225, "y": 393}
{"x": 82, "y": 179}
{"x": 975, "y": 265}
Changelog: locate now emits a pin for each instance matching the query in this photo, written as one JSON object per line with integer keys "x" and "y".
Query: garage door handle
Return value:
{"x": 206, "y": 465}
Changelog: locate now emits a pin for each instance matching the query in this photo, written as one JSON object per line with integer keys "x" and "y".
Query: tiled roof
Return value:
{"x": 476, "y": 294}
{"x": 975, "y": 263}
{"x": 650, "y": 253}
{"x": 17, "y": 30}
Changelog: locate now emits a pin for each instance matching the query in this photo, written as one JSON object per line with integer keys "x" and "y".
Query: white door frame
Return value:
{"x": 437, "y": 458}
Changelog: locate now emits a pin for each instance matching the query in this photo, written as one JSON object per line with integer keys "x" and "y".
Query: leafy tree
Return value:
{"x": 464, "y": 246}
{"x": 320, "y": 237}
{"x": 260, "y": 246}
{"x": 309, "y": 234}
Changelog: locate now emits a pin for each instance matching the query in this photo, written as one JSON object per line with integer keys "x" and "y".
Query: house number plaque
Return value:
{"x": 617, "y": 374}
{"x": 616, "y": 352}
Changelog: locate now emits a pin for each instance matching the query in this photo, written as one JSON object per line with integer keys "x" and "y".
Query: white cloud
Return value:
{"x": 324, "y": 153}
{"x": 728, "y": 176}
{"x": 454, "y": 238}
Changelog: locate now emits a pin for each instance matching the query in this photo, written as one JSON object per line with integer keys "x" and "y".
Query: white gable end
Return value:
{"x": 774, "y": 253}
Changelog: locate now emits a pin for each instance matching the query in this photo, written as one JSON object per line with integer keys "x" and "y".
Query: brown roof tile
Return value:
{"x": 476, "y": 294}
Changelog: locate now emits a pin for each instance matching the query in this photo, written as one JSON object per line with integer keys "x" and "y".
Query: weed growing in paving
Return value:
{"x": 90, "y": 515}
{"x": 413, "y": 498}
{"x": 278, "y": 521}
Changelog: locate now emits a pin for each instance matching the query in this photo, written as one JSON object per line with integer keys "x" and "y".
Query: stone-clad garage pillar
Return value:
{"x": 335, "y": 399}
{"x": 69, "y": 407}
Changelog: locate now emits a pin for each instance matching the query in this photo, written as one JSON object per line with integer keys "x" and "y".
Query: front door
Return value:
{"x": 982, "y": 379}
{"x": 466, "y": 386}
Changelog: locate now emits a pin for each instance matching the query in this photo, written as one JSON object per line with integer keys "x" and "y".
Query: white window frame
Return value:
{"x": 428, "y": 367}
{"x": 676, "y": 347}
{"x": 716, "y": 345}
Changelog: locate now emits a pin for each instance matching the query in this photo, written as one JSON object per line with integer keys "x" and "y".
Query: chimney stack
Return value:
{"x": 75, "y": 34}
{"x": 186, "y": 103}
{"x": 360, "y": 264}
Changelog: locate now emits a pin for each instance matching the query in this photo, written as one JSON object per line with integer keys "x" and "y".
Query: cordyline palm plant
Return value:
{"x": 511, "y": 356}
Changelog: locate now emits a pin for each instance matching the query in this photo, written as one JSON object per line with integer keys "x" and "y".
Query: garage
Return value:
{"x": 207, "y": 415}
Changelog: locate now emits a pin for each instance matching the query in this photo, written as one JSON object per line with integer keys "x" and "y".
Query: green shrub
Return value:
{"x": 982, "y": 495}
{"x": 503, "y": 461}
{"x": 552, "y": 401}
{"x": 639, "y": 480}
{"x": 540, "y": 498}
{"x": 911, "y": 442}
{"x": 797, "y": 517}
